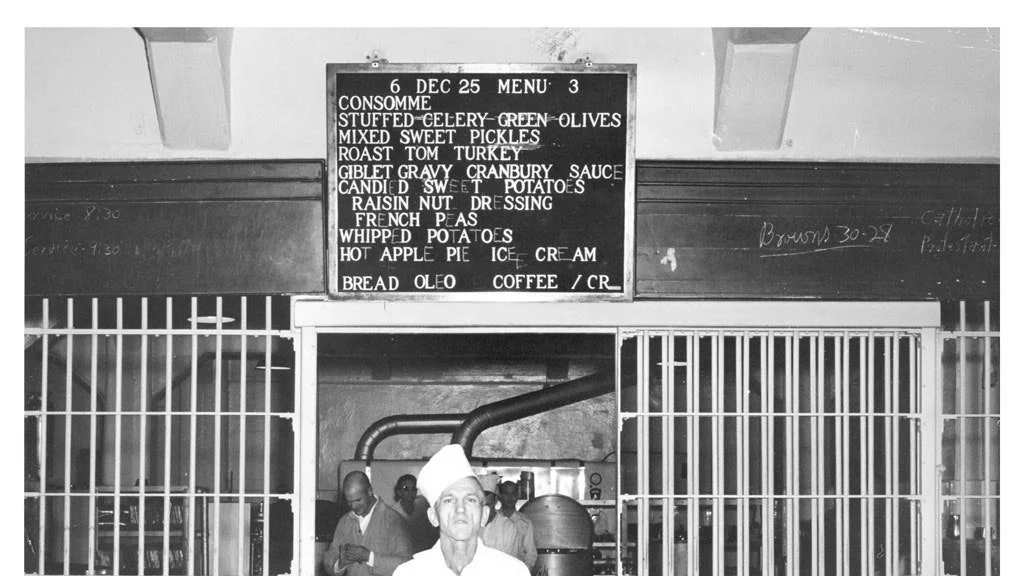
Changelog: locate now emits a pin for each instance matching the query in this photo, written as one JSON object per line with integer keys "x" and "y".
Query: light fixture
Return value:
{"x": 277, "y": 362}
{"x": 211, "y": 319}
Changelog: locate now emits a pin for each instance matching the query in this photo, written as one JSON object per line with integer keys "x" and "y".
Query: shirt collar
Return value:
{"x": 437, "y": 554}
{"x": 370, "y": 513}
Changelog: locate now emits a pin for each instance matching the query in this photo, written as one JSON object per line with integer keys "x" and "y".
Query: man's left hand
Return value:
{"x": 356, "y": 553}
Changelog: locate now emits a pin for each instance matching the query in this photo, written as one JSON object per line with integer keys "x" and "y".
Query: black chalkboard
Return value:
{"x": 174, "y": 228}
{"x": 781, "y": 230}
{"x": 445, "y": 181}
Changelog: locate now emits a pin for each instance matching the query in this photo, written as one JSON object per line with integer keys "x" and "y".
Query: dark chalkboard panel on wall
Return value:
{"x": 487, "y": 182}
{"x": 174, "y": 228}
{"x": 781, "y": 230}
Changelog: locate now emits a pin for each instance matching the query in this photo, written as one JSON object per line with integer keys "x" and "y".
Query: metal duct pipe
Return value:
{"x": 517, "y": 407}
{"x": 405, "y": 424}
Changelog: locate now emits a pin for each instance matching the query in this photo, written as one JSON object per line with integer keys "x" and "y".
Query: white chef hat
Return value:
{"x": 447, "y": 466}
{"x": 490, "y": 482}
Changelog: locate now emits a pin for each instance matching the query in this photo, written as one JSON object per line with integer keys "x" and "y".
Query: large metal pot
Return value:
{"x": 556, "y": 562}
{"x": 563, "y": 533}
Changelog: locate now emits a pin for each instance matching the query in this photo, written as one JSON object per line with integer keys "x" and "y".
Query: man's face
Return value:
{"x": 407, "y": 490}
{"x": 459, "y": 510}
{"x": 359, "y": 498}
{"x": 508, "y": 494}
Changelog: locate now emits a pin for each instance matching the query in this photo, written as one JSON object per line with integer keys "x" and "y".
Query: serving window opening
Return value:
{"x": 537, "y": 409}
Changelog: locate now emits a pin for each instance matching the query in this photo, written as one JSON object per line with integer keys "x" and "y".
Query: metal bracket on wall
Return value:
{"x": 375, "y": 59}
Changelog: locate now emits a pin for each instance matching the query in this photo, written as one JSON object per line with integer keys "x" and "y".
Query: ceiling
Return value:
{"x": 859, "y": 94}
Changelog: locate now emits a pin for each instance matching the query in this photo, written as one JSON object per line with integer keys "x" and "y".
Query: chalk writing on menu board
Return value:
{"x": 954, "y": 231}
{"x": 450, "y": 181}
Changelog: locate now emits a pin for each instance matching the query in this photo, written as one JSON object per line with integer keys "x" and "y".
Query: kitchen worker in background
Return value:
{"x": 371, "y": 539}
{"x": 526, "y": 548}
{"x": 499, "y": 532}
{"x": 413, "y": 508}
{"x": 457, "y": 508}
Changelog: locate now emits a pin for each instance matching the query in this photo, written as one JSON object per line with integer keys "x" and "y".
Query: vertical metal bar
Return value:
{"x": 817, "y": 367}
{"x": 987, "y": 423}
{"x": 720, "y": 454}
{"x": 143, "y": 392}
{"x": 643, "y": 435}
{"x": 862, "y": 379}
{"x": 791, "y": 441}
{"x": 931, "y": 447}
{"x": 723, "y": 502}
{"x": 305, "y": 475}
{"x": 889, "y": 526}
{"x": 168, "y": 399}
{"x": 840, "y": 531}
{"x": 961, "y": 382}
{"x": 668, "y": 529}
{"x": 796, "y": 454}
{"x": 693, "y": 453}
{"x": 719, "y": 458}
{"x": 915, "y": 463}
{"x": 43, "y": 445}
{"x": 242, "y": 398}
{"x": 119, "y": 358}
{"x": 871, "y": 453}
{"x": 767, "y": 470}
{"x": 193, "y": 407}
{"x": 619, "y": 539}
{"x": 717, "y": 455}
{"x": 847, "y": 458}
{"x": 743, "y": 459}
{"x": 894, "y": 557}
{"x": 218, "y": 485}
{"x": 68, "y": 421}
{"x": 266, "y": 435}
{"x": 771, "y": 448}
{"x": 93, "y": 406}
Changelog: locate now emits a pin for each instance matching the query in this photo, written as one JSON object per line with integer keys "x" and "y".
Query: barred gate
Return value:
{"x": 158, "y": 436}
{"x": 771, "y": 452}
{"x": 807, "y": 452}
{"x": 970, "y": 494}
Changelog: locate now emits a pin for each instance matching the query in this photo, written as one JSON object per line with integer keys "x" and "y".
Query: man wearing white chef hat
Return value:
{"x": 457, "y": 507}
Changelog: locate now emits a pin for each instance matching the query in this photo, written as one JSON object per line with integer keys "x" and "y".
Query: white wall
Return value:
{"x": 859, "y": 94}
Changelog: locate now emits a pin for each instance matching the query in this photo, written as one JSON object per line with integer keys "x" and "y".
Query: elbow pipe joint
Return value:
{"x": 518, "y": 407}
{"x": 404, "y": 424}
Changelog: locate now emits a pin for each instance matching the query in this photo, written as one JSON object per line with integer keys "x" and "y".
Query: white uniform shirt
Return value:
{"x": 364, "y": 521}
{"x": 486, "y": 562}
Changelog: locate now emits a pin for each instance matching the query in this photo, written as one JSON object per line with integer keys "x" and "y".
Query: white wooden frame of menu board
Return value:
{"x": 629, "y": 209}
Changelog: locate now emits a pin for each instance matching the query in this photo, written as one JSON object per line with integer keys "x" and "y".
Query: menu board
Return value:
{"x": 480, "y": 182}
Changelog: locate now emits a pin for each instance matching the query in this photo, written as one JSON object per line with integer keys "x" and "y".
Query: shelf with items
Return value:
{"x": 140, "y": 521}
{"x": 257, "y": 533}
{"x": 605, "y": 548}
{"x": 126, "y": 534}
